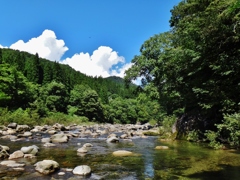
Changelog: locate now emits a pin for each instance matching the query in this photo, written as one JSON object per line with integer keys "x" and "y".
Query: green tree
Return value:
{"x": 86, "y": 102}
{"x": 15, "y": 90}
{"x": 53, "y": 97}
{"x": 33, "y": 70}
{"x": 195, "y": 66}
{"x": 1, "y": 61}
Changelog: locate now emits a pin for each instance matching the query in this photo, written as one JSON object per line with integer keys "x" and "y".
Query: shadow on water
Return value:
{"x": 227, "y": 173}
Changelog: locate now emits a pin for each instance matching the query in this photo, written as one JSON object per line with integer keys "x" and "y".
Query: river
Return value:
{"x": 183, "y": 160}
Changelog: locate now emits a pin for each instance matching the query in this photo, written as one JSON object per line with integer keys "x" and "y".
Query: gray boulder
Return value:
{"x": 112, "y": 140}
{"x": 30, "y": 150}
{"x": 22, "y": 128}
{"x": 46, "y": 166}
{"x": 59, "y": 138}
{"x": 12, "y": 125}
{"x": 4, "y": 152}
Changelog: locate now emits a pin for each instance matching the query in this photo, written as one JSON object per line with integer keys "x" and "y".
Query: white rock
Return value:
{"x": 82, "y": 170}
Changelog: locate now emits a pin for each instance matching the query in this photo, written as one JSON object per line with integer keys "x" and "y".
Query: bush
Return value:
{"x": 212, "y": 138}
{"x": 61, "y": 118}
{"x": 168, "y": 122}
{"x": 19, "y": 116}
{"x": 193, "y": 136}
{"x": 230, "y": 129}
{"x": 165, "y": 129}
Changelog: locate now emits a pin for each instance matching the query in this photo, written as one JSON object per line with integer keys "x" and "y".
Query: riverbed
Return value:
{"x": 183, "y": 160}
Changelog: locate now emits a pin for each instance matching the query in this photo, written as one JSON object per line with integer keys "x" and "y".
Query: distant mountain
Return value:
{"x": 119, "y": 80}
{"x": 116, "y": 79}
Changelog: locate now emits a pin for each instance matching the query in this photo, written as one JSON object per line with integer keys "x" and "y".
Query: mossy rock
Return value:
{"x": 151, "y": 133}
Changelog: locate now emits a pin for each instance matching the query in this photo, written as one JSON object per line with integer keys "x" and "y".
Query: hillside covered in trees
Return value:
{"x": 195, "y": 69}
{"x": 34, "y": 90}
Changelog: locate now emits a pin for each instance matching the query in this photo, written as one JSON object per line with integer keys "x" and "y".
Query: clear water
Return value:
{"x": 183, "y": 160}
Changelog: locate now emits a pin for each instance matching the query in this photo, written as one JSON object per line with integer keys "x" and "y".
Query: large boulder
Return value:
{"x": 22, "y": 128}
{"x": 59, "y": 138}
{"x": 112, "y": 140}
{"x": 30, "y": 150}
{"x": 46, "y": 166}
{"x": 46, "y": 140}
{"x": 83, "y": 170}
{"x": 4, "y": 152}
{"x": 12, "y": 125}
{"x": 16, "y": 154}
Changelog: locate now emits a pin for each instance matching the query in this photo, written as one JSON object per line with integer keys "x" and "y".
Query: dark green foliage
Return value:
{"x": 15, "y": 90}
{"x": 195, "y": 66}
{"x": 85, "y": 102}
{"x": 1, "y": 61}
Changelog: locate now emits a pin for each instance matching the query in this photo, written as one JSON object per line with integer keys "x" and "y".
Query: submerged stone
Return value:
{"x": 122, "y": 153}
{"x": 162, "y": 147}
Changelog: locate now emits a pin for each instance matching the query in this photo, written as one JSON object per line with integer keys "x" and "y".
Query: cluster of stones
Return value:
{"x": 61, "y": 134}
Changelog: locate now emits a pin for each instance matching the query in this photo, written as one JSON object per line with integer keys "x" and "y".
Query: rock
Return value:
{"x": 122, "y": 153}
{"x": 112, "y": 140}
{"x": 59, "y": 127}
{"x": 16, "y": 154}
{"x": 11, "y": 131}
{"x": 4, "y": 152}
{"x": 30, "y": 156}
{"x": 161, "y": 147}
{"x": 49, "y": 145}
{"x": 6, "y": 148}
{"x": 124, "y": 136}
{"x": 59, "y": 138}
{"x": 22, "y": 128}
{"x": 46, "y": 140}
{"x": 61, "y": 173}
{"x": 15, "y": 165}
{"x": 26, "y": 134}
{"x": 82, "y": 150}
{"x": 112, "y": 135}
{"x": 5, "y": 163}
{"x": 30, "y": 150}
{"x": 83, "y": 170}
{"x": 52, "y": 132}
{"x": 12, "y": 125}
{"x": 87, "y": 145}
{"x": 46, "y": 166}
{"x": 3, "y": 128}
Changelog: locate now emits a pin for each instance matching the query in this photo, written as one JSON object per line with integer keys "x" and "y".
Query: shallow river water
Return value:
{"x": 183, "y": 160}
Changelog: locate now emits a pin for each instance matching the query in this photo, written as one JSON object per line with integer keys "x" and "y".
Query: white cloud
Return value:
{"x": 46, "y": 45}
{"x": 99, "y": 63}
{"x": 3, "y": 46}
{"x": 103, "y": 61}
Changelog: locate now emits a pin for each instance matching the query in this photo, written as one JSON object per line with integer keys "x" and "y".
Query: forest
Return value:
{"x": 38, "y": 91}
{"x": 189, "y": 74}
{"x": 194, "y": 68}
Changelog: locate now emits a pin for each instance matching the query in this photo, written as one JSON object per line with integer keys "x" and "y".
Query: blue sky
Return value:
{"x": 94, "y": 37}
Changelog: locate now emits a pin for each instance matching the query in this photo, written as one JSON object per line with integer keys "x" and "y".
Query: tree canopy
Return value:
{"x": 195, "y": 66}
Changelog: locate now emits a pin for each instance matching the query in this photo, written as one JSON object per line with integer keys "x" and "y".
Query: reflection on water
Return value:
{"x": 183, "y": 160}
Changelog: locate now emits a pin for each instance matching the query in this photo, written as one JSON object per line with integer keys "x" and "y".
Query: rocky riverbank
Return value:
{"x": 51, "y": 136}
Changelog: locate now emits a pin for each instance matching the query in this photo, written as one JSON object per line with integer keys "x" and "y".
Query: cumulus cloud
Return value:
{"x": 46, "y": 45}
{"x": 3, "y": 46}
{"x": 99, "y": 63}
{"x": 103, "y": 62}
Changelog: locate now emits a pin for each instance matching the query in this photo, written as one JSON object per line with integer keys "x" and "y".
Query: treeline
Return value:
{"x": 35, "y": 91}
{"x": 195, "y": 69}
